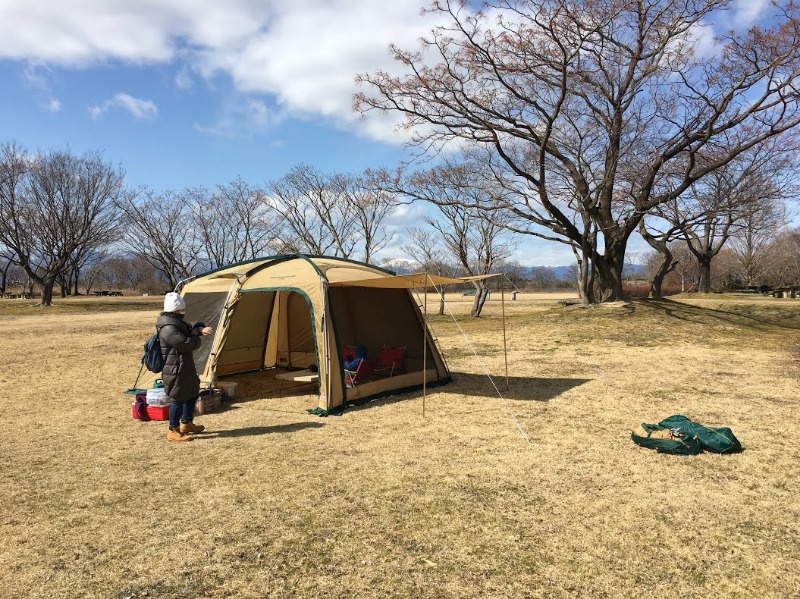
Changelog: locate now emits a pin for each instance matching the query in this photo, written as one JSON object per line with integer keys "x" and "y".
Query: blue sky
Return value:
{"x": 198, "y": 92}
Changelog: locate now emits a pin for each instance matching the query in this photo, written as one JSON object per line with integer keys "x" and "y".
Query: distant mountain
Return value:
{"x": 564, "y": 273}
{"x": 555, "y": 273}
{"x": 400, "y": 266}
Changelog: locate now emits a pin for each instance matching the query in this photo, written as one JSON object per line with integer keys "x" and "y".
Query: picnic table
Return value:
{"x": 298, "y": 376}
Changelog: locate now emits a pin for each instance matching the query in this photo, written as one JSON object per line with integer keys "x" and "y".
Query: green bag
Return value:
{"x": 715, "y": 439}
{"x": 678, "y": 435}
{"x": 663, "y": 440}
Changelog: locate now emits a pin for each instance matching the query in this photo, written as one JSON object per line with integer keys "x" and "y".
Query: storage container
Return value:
{"x": 158, "y": 412}
{"x": 209, "y": 401}
{"x": 154, "y": 412}
{"x": 157, "y": 397}
{"x": 228, "y": 390}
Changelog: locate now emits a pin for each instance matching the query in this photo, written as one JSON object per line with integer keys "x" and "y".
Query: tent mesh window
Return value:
{"x": 206, "y": 308}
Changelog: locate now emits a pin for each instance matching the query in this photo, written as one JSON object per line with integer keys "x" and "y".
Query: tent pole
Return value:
{"x": 425, "y": 346}
{"x": 503, "y": 304}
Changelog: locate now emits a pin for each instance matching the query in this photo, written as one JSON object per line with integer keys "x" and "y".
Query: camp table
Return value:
{"x": 298, "y": 376}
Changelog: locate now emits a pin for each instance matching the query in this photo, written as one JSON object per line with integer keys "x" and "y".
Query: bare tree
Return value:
{"x": 369, "y": 203}
{"x": 314, "y": 207}
{"x": 53, "y": 207}
{"x": 543, "y": 277}
{"x": 235, "y": 222}
{"x": 426, "y": 249}
{"x": 338, "y": 214}
{"x": 751, "y": 243}
{"x": 136, "y": 272}
{"x": 514, "y": 272}
{"x": 158, "y": 229}
{"x": 98, "y": 270}
{"x": 736, "y": 199}
{"x": 661, "y": 262}
{"x": 686, "y": 271}
{"x": 6, "y": 262}
{"x": 472, "y": 235}
{"x": 608, "y": 101}
{"x": 785, "y": 259}
{"x": 475, "y": 243}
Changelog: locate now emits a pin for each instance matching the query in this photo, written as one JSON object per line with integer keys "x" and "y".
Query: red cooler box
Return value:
{"x": 154, "y": 412}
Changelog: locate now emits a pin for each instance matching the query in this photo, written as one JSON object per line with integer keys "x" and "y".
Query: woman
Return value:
{"x": 178, "y": 340}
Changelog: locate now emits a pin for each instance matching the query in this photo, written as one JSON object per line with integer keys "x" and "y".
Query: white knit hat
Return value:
{"x": 173, "y": 302}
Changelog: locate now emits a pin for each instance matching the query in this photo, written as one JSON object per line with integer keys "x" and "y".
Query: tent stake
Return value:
{"x": 425, "y": 346}
{"x": 503, "y": 305}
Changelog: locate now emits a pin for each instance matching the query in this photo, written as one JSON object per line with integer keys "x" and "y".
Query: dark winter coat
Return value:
{"x": 178, "y": 340}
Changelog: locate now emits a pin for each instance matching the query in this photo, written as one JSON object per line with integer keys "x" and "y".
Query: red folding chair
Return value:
{"x": 391, "y": 359}
{"x": 362, "y": 373}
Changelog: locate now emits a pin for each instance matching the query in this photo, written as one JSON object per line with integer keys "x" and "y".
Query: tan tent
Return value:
{"x": 290, "y": 312}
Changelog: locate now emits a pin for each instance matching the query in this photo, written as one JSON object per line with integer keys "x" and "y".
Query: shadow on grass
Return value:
{"x": 690, "y": 313}
{"x": 519, "y": 388}
{"x": 262, "y": 430}
{"x": 479, "y": 385}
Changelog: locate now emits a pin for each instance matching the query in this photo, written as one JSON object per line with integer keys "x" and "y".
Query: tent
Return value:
{"x": 293, "y": 311}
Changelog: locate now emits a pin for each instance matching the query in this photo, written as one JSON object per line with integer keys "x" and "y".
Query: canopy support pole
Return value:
{"x": 503, "y": 304}
{"x": 425, "y": 346}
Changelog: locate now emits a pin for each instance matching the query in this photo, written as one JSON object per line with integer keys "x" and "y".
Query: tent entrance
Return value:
{"x": 268, "y": 328}
{"x": 377, "y": 318}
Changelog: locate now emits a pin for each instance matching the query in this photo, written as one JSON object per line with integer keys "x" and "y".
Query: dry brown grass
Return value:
{"x": 383, "y": 502}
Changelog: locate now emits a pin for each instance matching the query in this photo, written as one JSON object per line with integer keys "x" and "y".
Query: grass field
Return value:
{"x": 383, "y": 502}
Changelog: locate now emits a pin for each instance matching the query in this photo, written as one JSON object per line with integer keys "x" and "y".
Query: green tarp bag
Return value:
{"x": 664, "y": 440}
{"x": 716, "y": 439}
{"x": 679, "y": 435}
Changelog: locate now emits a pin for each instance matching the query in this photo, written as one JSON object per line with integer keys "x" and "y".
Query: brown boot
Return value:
{"x": 177, "y": 435}
{"x": 191, "y": 427}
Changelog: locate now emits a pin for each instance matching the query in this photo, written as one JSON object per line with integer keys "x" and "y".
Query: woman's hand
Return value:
{"x": 207, "y": 331}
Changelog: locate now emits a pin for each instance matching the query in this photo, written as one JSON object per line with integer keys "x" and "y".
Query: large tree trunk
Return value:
{"x": 704, "y": 270}
{"x": 585, "y": 260}
{"x": 656, "y": 284}
{"x": 584, "y": 290}
{"x": 481, "y": 293}
{"x": 5, "y": 277}
{"x": 47, "y": 292}
{"x": 610, "y": 268}
{"x": 660, "y": 245}
{"x": 583, "y": 277}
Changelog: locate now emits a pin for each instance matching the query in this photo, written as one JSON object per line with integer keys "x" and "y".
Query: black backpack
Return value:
{"x": 153, "y": 359}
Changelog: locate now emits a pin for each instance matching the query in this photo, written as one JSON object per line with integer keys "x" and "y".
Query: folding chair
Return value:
{"x": 391, "y": 359}
{"x": 362, "y": 373}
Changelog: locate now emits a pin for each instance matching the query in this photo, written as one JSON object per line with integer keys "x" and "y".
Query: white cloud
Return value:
{"x": 139, "y": 108}
{"x": 747, "y": 12}
{"x": 183, "y": 79}
{"x": 705, "y": 44}
{"x": 84, "y": 32}
{"x": 241, "y": 116}
{"x": 305, "y": 54}
{"x": 35, "y": 75}
{"x": 54, "y": 105}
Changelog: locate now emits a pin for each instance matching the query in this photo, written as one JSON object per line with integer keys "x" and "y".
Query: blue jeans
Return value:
{"x": 180, "y": 412}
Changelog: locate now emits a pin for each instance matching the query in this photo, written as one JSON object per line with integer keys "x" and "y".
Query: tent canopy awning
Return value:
{"x": 414, "y": 281}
